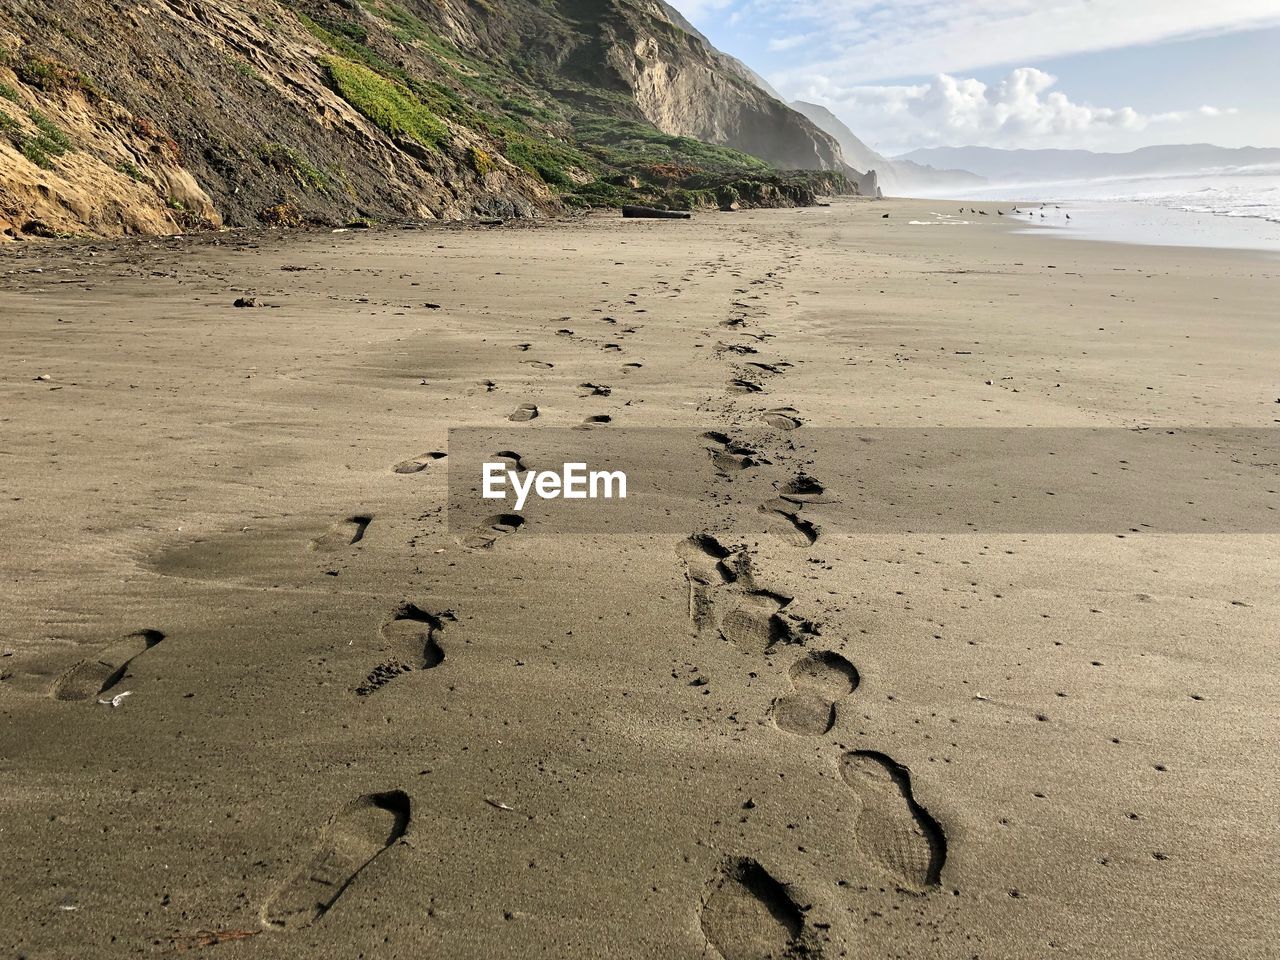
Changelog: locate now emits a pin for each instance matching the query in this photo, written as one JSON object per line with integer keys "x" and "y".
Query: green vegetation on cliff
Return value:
{"x": 42, "y": 147}
{"x": 385, "y": 103}
{"x": 588, "y": 144}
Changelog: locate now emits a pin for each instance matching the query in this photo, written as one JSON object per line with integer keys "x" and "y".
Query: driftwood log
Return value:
{"x": 654, "y": 212}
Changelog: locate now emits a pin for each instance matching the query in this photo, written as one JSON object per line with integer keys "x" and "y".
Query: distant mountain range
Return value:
{"x": 1026, "y": 166}
{"x": 899, "y": 176}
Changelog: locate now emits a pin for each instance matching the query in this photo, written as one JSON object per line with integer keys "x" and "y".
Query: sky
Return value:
{"x": 1094, "y": 74}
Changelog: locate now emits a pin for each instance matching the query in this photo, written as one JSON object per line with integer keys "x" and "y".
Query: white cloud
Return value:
{"x": 1023, "y": 109}
{"x": 698, "y": 10}
{"x": 867, "y": 40}
{"x": 793, "y": 42}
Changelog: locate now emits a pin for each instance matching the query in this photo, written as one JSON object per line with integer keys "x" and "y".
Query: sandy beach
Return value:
{"x": 259, "y": 698}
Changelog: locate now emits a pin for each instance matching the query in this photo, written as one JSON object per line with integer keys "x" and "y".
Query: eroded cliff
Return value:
{"x": 119, "y": 116}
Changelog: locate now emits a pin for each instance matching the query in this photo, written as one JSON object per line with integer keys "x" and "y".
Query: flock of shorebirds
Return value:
{"x": 1015, "y": 210}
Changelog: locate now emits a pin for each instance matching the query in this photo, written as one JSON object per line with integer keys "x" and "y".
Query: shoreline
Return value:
{"x": 588, "y": 753}
{"x": 1147, "y": 233}
{"x": 1137, "y": 222}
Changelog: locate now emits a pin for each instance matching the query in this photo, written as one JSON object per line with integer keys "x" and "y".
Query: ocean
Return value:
{"x": 1234, "y": 208}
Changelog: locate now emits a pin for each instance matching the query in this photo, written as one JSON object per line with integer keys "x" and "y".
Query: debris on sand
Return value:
{"x": 209, "y": 938}
{"x": 655, "y": 213}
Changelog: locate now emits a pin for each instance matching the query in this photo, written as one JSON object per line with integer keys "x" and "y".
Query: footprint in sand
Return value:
{"x": 744, "y": 386}
{"x": 493, "y": 529}
{"x": 410, "y": 640}
{"x": 818, "y": 680}
{"x": 729, "y": 457}
{"x": 599, "y": 420}
{"x": 510, "y": 460}
{"x": 524, "y": 412}
{"x": 783, "y": 418}
{"x": 91, "y": 678}
{"x": 593, "y": 390}
{"x": 892, "y": 829}
{"x": 792, "y": 527}
{"x": 782, "y": 366}
{"x": 724, "y": 600}
{"x": 705, "y": 570}
{"x": 346, "y": 533}
{"x": 418, "y": 464}
{"x": 748, "y": 915}
{"x": 802, "y": 487}
{"x": 355, "y": 836}
{"x": 753, "y": 622}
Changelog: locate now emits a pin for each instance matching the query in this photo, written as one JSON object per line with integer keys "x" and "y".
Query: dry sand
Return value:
{"x": 351, "y": 732}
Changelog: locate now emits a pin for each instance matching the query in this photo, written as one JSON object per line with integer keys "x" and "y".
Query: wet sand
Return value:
{"x": 351, "y": 731}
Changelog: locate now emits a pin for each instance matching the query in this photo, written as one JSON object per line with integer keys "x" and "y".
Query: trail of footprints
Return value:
{"x": 410, "y": 641}
{"x": 747, "y": 913}
{"x": 363, "y": 830}
{"x": 493, "y": 529}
